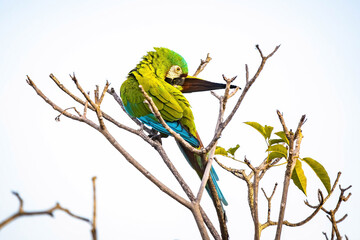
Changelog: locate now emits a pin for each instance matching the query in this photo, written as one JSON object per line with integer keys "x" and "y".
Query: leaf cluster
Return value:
{"x": 277, "y": 148}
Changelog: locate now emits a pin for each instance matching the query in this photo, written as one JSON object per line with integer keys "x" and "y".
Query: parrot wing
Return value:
{"x": 170, "y": 109}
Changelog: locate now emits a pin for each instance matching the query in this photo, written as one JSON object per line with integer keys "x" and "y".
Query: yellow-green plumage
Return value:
{"x": 150, "y": 74}
{"x": 154, "y": 73}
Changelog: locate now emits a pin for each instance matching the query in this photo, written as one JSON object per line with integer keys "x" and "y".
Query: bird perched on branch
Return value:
{"x": 163, "y": 74}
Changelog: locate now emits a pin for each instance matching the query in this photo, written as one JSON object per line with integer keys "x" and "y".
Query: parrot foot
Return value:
{"x": 158, "y": 137}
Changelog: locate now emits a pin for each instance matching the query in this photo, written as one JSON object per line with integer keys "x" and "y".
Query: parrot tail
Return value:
{"x": 195, "y": 162}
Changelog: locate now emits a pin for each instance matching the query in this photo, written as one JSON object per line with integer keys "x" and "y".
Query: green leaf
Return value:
{"x": 258, "y": 127}
{"x": 233, "y": 149}
{"x": 278, "y": 148}
{"x": 274, "y": 155}
{"x": 273, "y": 141}
{"x": 320, "y": 172}
{"x": 268, "y": 131}
{"x": 298, "y": 177}
{"x": 221, "y": 151}
{"x": 283, "y": 137}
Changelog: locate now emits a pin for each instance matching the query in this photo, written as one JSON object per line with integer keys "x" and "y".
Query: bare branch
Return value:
{"x": 97, "y": 103}
{"x": 58, "y": 117}
{"x": 95, "y": 106}
{"x": 342, "y": 219}
{"x": 293, "y": 155}
{"x": 106, "y": 116}
{"x": 103, "y": 92}
{"x": 117, "y": 146}
{"x": 202, "y": 65}
{"x": 258, "y": 48}
{"x": 93, "y": 223}
{"x": 157, "y": 114}
{"x": 262, "y": 226}
{"x": 238, "y": 103}
{"x": 322, "y": 201}
{"x": 247, "y": 73}
{"x": 195, "y": 209}
{"x": 50, "y": 212}
{"x": 215, "y": 95}
{"x": 205, "y": 179}
{"x": 282, "y": 121}
{"x": 331, "y": 214}
{"x": 129, "y": 158}
{"x": 239, "y": 173}
{"x": 234, "y": 92}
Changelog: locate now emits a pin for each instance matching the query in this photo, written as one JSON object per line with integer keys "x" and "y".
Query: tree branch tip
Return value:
{"x": 73, "y": 78}
{"x": 258, "y": 48}
{"x": 320, "y": 196}
{"x": 344, "y": 189}
{"x": 111, "y": 90}
{"x": 342, "y": 219}
{"x": 215, "y": 95}
{"x": 347, "y": 198}
{"x": 15, "y": 193}
{"x": 29, "y": 81}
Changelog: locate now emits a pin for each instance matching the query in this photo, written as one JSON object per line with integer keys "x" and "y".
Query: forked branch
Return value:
{"x": 50, "y": 212}
{"x": 94, "y": 105}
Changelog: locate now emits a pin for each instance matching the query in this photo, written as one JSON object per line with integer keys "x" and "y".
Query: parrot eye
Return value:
{"x": 174, "y": 72}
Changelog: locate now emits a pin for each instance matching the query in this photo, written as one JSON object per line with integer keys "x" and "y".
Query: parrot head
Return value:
{"x": 173, "y": 68}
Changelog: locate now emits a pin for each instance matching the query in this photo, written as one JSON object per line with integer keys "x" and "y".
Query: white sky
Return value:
{"x": 315, "y": 72}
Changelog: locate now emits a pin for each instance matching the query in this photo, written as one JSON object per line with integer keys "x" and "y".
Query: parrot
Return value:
{"x": 163, "y": 74}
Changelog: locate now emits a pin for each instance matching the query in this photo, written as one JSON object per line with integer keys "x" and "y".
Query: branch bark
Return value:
{"x": 291, "y": 161}
{"x": 193, "y": 204}
{"x": 50, "y": 212}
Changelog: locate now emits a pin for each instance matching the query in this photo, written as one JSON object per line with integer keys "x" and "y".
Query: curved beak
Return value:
{"x": 192, "y": 84}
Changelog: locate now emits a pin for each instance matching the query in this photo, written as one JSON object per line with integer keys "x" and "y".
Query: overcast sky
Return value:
{"x": 315, "y": 72}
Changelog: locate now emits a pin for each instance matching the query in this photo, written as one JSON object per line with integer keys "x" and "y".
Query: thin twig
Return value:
{"x": 171, "y": 167}
{"x": 331, "y": 214}
{"x": 157, "y": 114}
{"x": 93, "y": 229}
{"x": 117, "y": 146}
{"x": 103, "y": 92}
{"x": 106, "y": 116}
{"x": 269, "y": 200}
{"x": 50, "y": 212}
{"x": 238, "y": 103}
{"x": 202, "y": 65}
{"x": 96, "y": 104}
{"x": 129, "y": 158}
{"x": 293, "y": 155}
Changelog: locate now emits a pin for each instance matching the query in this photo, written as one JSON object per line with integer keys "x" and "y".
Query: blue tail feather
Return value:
{"x": 215, "y": 178}
{"x": 213, "y": 174}
{"x": 151, "y": 120}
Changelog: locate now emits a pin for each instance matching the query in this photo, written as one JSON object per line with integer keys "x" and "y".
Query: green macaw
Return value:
{"x": 164, "y": 76}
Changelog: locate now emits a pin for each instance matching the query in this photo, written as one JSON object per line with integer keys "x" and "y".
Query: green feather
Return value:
{"x": 150, "y": 74}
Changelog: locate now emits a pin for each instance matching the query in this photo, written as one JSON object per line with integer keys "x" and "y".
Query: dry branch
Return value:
{"x": 202, "y": 65}
{"x": 331, "y": 213}
{"x": 239, "y": 101}
{"x": 50, "y": 212}
{"x": 291, "y": 161}
{"x": 112, "y": 140}
{"x": 199, "y": 214}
